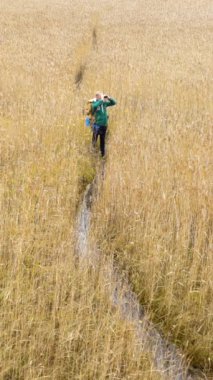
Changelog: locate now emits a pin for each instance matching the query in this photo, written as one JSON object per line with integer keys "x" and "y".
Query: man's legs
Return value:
{"x": 94, "y": 134}
{"x": 102, "y": 133}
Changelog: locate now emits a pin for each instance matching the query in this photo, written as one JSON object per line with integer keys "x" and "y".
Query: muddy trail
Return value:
{"x": 167, "y": 358}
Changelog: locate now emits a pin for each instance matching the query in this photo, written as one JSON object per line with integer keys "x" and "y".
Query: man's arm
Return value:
{"x": 110, "y": 101}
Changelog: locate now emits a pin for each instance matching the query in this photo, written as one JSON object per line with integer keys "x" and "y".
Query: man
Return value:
{"x": 101, "y": 118}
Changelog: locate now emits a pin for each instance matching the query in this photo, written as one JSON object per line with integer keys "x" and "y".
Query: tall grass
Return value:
{"x": 154, "y": 210}
{"x": 57, "y": 321}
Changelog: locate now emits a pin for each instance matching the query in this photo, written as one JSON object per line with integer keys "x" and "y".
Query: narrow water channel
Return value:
{"x": 167, "y": 359}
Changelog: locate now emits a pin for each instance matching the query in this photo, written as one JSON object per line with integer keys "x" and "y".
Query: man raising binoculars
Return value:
{"x": 99, "y": 112}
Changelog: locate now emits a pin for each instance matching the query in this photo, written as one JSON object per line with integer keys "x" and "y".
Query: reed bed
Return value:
{"x": 57, "y": 321}
{"x": 154, "y": 210}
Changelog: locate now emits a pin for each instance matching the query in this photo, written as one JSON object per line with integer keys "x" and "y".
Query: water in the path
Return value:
{"x": 167, "y": 359}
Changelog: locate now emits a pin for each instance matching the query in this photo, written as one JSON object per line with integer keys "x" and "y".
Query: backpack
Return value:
{"x": 89, "y": 121}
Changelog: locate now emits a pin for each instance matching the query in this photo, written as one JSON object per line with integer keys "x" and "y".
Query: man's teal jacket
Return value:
{"x": 99, "y": 110}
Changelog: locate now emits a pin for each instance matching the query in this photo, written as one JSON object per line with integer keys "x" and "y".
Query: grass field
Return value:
{"x": 153, "y": 213}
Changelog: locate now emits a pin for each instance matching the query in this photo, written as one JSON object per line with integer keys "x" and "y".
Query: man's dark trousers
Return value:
{"x": 99, "y": 130}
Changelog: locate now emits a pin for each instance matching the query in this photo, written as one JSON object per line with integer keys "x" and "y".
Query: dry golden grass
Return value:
{"x": 57, "y": 321}
{"x": 154, "y": 210}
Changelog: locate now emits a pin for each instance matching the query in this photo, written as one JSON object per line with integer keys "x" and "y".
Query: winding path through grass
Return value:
{"x": 167, "y": 359}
